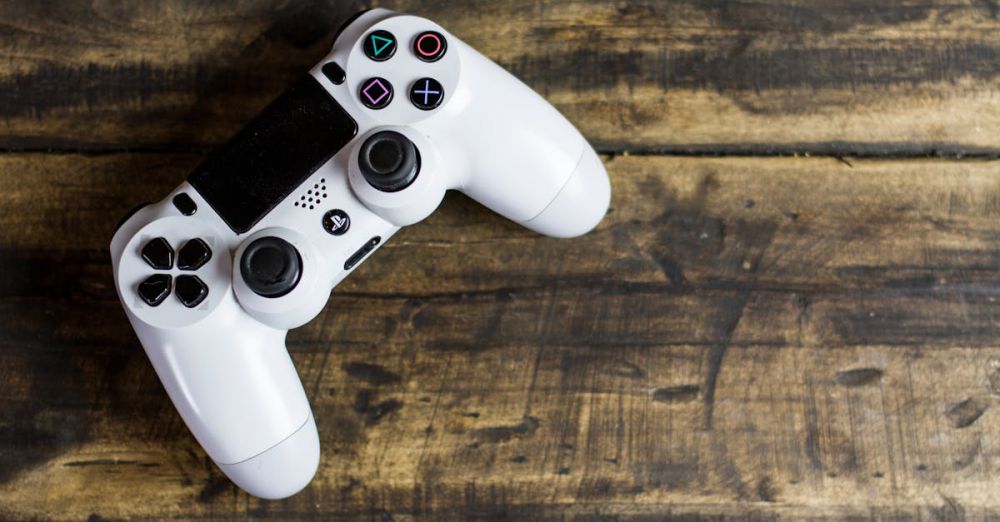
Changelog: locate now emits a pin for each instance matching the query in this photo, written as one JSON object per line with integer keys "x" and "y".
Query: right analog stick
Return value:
{"x": 389, "y": 161}
{"x": 271, "y": 266}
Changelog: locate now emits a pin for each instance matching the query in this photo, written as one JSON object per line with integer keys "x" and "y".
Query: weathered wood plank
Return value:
{"x": 741, "y": 337}
{"x": 757, "y": 76}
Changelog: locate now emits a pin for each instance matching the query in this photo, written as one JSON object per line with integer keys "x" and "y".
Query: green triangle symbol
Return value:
{"x": 375, "y": 46}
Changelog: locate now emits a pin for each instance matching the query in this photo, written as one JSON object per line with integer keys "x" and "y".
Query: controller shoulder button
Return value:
{"x": 158, "y": 254}
{"x": 193, "y": 255}
{"x": 155, "y": 289}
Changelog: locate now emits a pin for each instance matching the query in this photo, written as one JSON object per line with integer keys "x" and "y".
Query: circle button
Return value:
{"x": 426, "y": 94}
{"x": 336, "y": 222}
{"x": 430, "y": 46}
{"x": 376, "y": 93}
{"x": 380, "y": 45}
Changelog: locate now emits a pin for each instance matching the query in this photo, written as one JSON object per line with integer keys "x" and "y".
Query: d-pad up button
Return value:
{"x": 193, "y": 255}
{"x": 158, "y": 254}
{"x": 155, "y": 289}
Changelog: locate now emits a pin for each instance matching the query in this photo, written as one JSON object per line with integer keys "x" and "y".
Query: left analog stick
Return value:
{"x": 271, "y": 266}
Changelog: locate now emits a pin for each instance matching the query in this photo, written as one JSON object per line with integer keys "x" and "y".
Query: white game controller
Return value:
{"x": 213, "y": 276}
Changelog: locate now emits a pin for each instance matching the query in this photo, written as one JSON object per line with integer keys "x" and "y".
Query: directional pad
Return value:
{"x": 155, "y": 289}
{"x": 193, "y": 255}
{"x": 158, "y": 254}
{"x": 191, "y": 290}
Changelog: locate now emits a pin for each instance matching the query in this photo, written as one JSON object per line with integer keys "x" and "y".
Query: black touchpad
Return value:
{"x": 274, "y": 154}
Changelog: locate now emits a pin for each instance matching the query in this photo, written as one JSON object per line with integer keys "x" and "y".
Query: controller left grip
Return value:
{"x": 234, "y": 384}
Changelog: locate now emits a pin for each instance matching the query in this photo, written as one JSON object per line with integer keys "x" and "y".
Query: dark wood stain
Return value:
{"x": 110, "y": 462}
{"x": 766, "y": 490}
{"x": 373, "y": 374}
{"x": 216, "y": 487}
{"x": 372, "y": 410}
{"x": 859, "y": 377}
{"x": 496, "y": 434}
{"x": 672, "y": 394}
{"x": 965, "y": 413}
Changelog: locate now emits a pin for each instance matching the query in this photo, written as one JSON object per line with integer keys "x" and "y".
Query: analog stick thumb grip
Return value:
{"x": 389, "y": 161}
{"x": 271, "y": 267}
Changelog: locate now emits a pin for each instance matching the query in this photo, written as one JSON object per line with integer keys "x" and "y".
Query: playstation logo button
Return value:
{"x": 376, "y": 93}
{"x": 380, "y": 45}
{"x": 336, "y": 222}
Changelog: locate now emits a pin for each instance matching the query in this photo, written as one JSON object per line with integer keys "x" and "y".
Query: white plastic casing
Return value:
{"x": 224, "y": 362}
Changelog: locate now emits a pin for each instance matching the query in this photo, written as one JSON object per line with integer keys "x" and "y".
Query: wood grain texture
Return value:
{"x": 755, "y": 76}
{"x": 741, "y": 337}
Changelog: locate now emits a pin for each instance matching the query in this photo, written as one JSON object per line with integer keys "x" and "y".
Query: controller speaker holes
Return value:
{"x": 313, "y": 196}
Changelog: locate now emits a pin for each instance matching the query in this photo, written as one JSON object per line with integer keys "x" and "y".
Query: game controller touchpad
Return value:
{"x": 274, "y": 154}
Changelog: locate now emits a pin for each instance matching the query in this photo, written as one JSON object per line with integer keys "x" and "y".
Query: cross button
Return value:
{"x": 426, "y": 94}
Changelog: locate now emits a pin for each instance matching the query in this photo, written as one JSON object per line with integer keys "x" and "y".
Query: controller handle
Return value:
{"x": 237, "y": 390}
{"x": 229, "y": 376}
{"x": 545, "y": 175}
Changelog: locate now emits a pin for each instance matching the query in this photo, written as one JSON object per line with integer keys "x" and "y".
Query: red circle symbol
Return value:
{"x": 430, "y": 46}
{"x": 421, "y": 47}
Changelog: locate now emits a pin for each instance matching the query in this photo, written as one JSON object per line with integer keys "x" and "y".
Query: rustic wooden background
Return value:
{"x": 790, "y": 312}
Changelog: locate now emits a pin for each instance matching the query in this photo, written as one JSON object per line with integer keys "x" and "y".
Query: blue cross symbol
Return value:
{"x": 427, "y": 92}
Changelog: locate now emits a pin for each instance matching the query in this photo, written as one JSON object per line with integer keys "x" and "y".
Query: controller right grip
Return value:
{"x": 580, "y": 204}
{"x": 545, "y": 176}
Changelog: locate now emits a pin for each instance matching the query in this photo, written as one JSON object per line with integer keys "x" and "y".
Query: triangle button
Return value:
{"x": 380, "y": 45}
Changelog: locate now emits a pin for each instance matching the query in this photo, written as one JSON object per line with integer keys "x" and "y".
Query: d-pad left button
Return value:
{"x": 158, "y": 254}
{"x": 155, "y": 289}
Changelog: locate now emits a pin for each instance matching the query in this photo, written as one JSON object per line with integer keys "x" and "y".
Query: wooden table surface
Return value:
{"x": 790, "y": 312}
